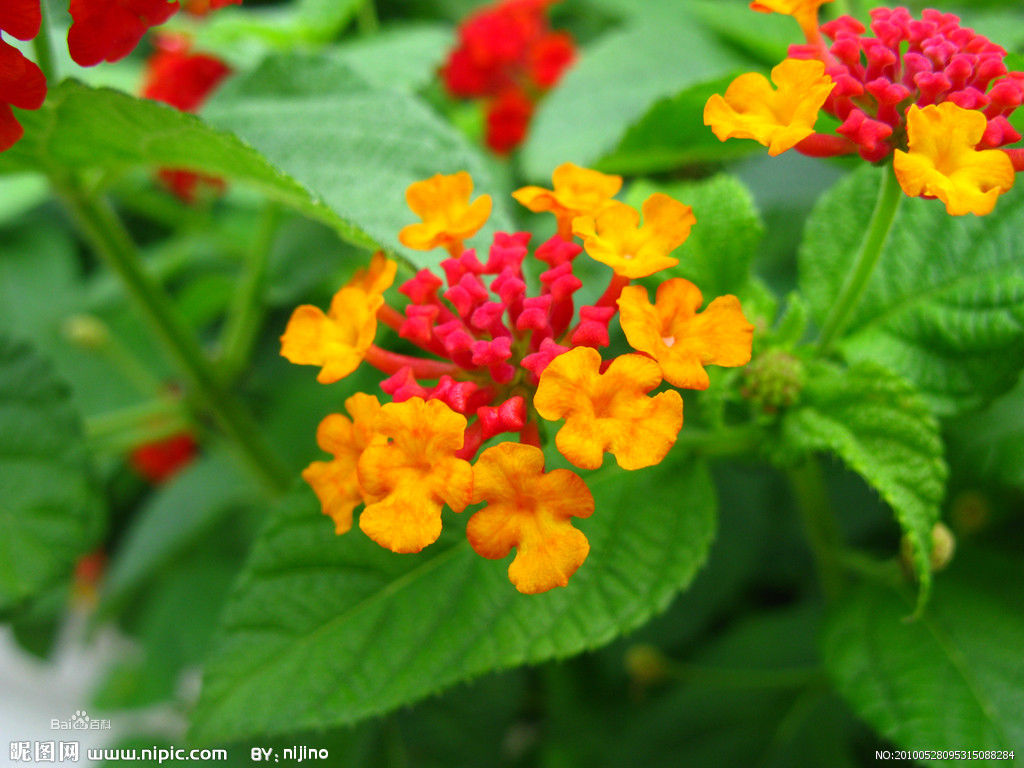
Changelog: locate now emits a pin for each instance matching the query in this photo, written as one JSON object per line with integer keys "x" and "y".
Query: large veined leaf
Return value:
{"x": 50, "y": 511}
{"x": 991, "y": 443}
{"x": 658, "y": 54}
{"x": 882, "y": 429}
{"x": 952, "y": 679}
{"x": 355, "y": 146}
{"x": 945, "y": 304}
{"x": 351, "y": 630}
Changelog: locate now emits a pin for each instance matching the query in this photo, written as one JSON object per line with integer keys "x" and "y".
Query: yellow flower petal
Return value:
{"x": 804, "y": 11}
{"x": 681, "y": 340}
{"x": 942, "y": 160}
{"x": 609, "y": 411}
{"x": 778, "y": 119}
{"x": 335, "y": 482}
{"x": 616, "y": 238}
{"x": 377, "y": 277}
{"x": 442, "y": 202}
{"x": 532, "y": 511}
{"x": 577, "y": 192}
{"x": 414, "y": 474}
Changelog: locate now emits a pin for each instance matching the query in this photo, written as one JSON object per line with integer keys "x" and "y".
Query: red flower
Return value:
{"x": 160, "y": 460}
{"x": 108, "y": 30}
{"x": 508, "y": 117}
{"x": 20, "y": 18}
{"x": 22, "y": 85}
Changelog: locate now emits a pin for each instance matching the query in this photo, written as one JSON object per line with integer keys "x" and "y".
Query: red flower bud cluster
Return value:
{"x": 909, "y": 61}
{"x": 508, "y": 54}
{"x": 184, "y": 80}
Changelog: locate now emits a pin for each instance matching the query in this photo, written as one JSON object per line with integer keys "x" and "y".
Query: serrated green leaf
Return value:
{"x": 882, "y": 429}
{"x": 81, "y": 129}
{"x": 351, "y": 630}
{"x": 50, "y": 511}
{"x": 355, "y": 146}
{"x": 721, "y": 247}
{"x": 952, "y": 679}
{"x": 400, "y": 58}
{"x": 945, "y": 304}
{"x": 658, "y": 54}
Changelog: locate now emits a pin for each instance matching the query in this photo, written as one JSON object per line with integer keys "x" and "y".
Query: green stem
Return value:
{"x": 44, "y": 49}
{"x": 111, "y": 241}
{"x": 888, "y": 202}
{"x": 155, "y": 411}
{"x": 820, "y": 527}
{"x": 730, "y": 441}
{"x": 245, "y": 315}
{"x": 366, "y": 19}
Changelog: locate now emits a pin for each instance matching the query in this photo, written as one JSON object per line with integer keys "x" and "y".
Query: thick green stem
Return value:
{"x": 111, "y": 241}
{"x": 44, "y": 49}
{"x": 730, "y": 441}
{"x": 366, "y": 19}
{"x": 820, "y": 527}
{"x": 888, "y": 202}
{"x": 245, "y": 315}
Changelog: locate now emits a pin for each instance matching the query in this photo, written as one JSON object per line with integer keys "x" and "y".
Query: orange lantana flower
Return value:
{"x": 442, "y": 202}
{"x": 531, "y": 511}
{"x": 942, "y": 160}
{"x": 616, "y": 238}
{"x": 409, "y": 478}
{"x": 577, "y": 192}
{"x": 681, "y": 340}
{"x": 804, "y": 11}
{"x": 335, "y": 482}
{"x": 338, "y": 341}
{"x": 778, "y": 119}
{"x": 609, "y": 411}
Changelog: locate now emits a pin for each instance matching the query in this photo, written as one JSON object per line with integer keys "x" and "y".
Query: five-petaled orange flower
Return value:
{"x": 335, "y": 482}
{"x": 943, "y": 162}
{"x": 338, "y": 341}
{"x": 779, "y": 119}
{"x": 532, "y": 511}
{"x": 681, "y": 340}
{"x": 615, "y": 236}
{"x": 609, "y": 411}
{"x": 448, "y": 218}
{"x": 411, "y": 476}
{"x": 577, "y": 192}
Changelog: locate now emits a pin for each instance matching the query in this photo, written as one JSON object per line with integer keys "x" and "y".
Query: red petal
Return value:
{"x": 20, "y": 18}
{"x": 10, "y": 128}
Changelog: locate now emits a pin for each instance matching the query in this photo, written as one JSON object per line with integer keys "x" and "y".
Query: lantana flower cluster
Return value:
{"x": 498, "y": 360}
{"x": 101, "y": 30}
{"x": 508, "y": 55}
{"x": 930, "y": 94}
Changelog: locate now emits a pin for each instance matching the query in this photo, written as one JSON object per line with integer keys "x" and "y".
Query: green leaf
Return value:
{"x": 952, "y": 679}
{"x": 721, "y": 247}
{"x": 351, "y": 630}
{"x": 355, "y": 146}
{"x": 882, "y": 429}
{"x": 658, "y": 54}
{"x": 945, "y": 305}
{"x": 403, "y": 58}
{"x": 97, "y": 129}
{"x": 991, "y": 443}
{"x": 50, "y": 512}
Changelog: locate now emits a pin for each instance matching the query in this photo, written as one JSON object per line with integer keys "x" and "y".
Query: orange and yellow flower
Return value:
{"x": 335, "y": 482}
{"x": 577, "y": 192}
{"x": 681, "y": 340}
{"x": 778, "y": 119}
{"x": 615, "y": 236}
{"x": 532, "y": 511}
{"x": 942, "y": 160}
{"x": 448, "y": 217}
{"x": 409, "y": 478}
{"x": 609, "y": 411}
{"x": 804, "y": 11}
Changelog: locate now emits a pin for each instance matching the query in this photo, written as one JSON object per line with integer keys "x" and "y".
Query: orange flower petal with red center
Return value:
{"x": 681, "y": 340}
{"x": 335, "y": 482}
{"x": 942, "y": 160}
{"x": 414, "y": 474}
{"x": 577, "y": 192}
{"x": 616, "y": 238}
{"x": 778, "y": 119}
{"x": 609, "y": 411}
{"x": 448, "y": 218}
{"x": 532, "y": 511}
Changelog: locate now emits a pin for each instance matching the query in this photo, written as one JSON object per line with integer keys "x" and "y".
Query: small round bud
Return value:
{"x": 86, "y": 331}
{"x": 773, "y": 380}
{"x": 943, "y": 548}
{"x": 646, "y": 664}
